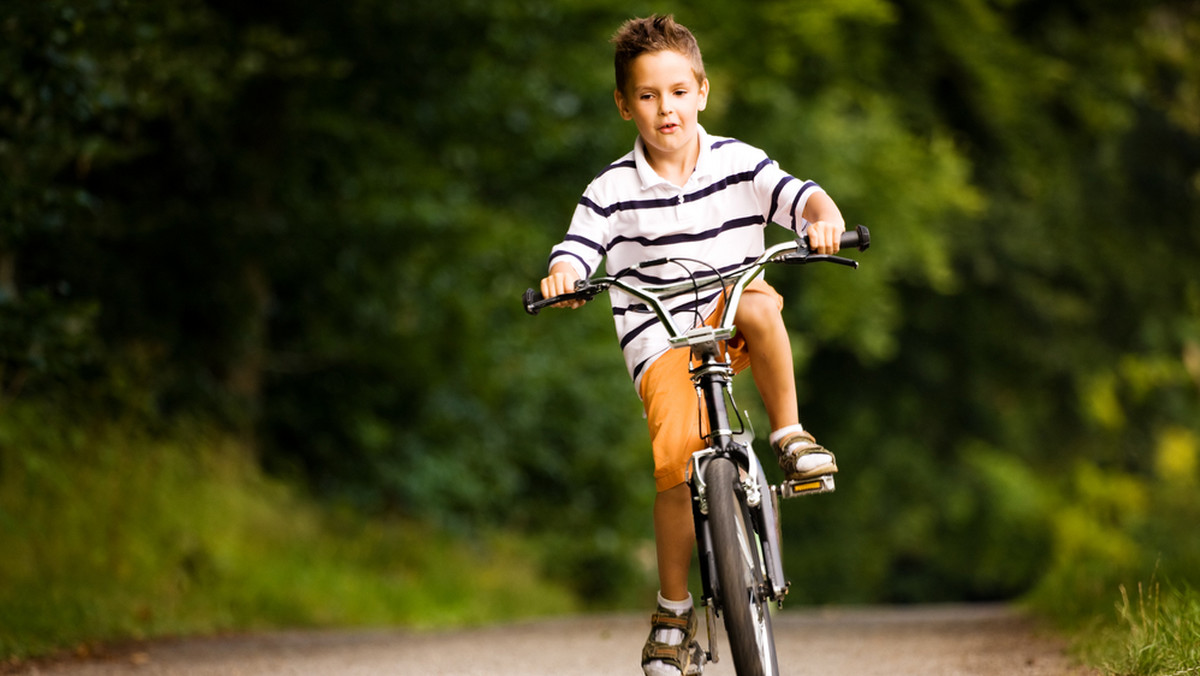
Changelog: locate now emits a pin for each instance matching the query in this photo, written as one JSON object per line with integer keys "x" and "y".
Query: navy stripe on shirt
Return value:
{"x": 623, "y": 206}
{"x": 775, "y": 196}
{"x": 690, "y": 306}
{"x": 808, "y": 185}
{"x": 637, "y": 370}
{"x": 631, "y": 164}
{"x": 587, "y": 268}
{"x": 633, "y": 333}
{"x": 595, "y": 246}
{"x": 700, "y": 276}
{"x": 715, "y": 187}
{"x": 727, "y": 181}
{"x": 689, "y": 237}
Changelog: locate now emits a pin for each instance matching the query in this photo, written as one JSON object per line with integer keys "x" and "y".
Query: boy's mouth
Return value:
{"x": 668, "y": 128}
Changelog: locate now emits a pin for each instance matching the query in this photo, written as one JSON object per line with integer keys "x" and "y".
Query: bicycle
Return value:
{"x": 736, "y": 511}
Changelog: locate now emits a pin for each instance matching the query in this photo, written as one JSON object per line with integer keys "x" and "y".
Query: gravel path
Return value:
{"x": 983, "y": 640}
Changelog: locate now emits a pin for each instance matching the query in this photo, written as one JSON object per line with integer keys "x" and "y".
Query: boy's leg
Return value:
{"x": 761, "y": 327}
{"x": 674, "y": 539}
{"x": 672, "y": 649}
{"x": 765, "y": 338}
{"x": 674, "y": 425}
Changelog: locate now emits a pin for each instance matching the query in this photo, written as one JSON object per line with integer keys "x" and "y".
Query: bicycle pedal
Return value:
{"x": 813, "y": 486}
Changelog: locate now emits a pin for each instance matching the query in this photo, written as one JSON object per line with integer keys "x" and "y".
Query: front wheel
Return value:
{"x": 739, "y": 572}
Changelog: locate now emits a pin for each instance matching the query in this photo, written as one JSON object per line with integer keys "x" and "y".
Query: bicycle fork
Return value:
{"x": 713, "y": 384}
{"x": 762, "y": 507}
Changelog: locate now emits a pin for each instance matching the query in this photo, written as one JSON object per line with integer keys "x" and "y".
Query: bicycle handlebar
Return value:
{"x": 798, "y": 252}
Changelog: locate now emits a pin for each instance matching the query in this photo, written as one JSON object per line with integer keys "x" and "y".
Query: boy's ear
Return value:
{"x": 621, "y": 105}
{"x": 704, "y": 94}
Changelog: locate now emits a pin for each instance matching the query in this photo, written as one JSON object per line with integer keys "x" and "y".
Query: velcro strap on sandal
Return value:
{"x": 798, "y": 443}
{"x": 662, "y": 621}
{"x": 677, "y": 655}
{"x": 663, "y": 652}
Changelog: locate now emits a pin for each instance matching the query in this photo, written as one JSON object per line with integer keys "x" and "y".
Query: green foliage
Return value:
{"x": 309, "y": 225}
{"x": 111, "y": 534}
{"x": 1113, "y": 529}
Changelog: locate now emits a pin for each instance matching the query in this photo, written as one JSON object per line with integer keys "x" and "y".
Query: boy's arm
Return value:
{"x": 561, "y": 280}
{"x": 825, "y": 223}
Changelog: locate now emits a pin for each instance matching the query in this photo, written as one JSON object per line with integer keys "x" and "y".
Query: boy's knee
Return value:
{"x": 756, "y": 310}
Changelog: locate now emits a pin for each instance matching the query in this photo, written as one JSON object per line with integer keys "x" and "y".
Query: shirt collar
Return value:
{"x": 650, "y": 178}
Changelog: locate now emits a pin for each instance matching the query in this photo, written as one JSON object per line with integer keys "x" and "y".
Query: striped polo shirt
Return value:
{"x": 630, "y": 214}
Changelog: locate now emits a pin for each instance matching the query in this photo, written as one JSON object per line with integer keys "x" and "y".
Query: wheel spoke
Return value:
{"x": 739, "y": 571}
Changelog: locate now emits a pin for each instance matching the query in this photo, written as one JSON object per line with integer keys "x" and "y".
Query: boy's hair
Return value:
{"x": 655, "y": 33}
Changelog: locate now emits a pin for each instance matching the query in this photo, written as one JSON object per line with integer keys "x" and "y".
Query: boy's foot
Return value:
{"x": 801, "y": 457}
{"x": 672, "y": 648}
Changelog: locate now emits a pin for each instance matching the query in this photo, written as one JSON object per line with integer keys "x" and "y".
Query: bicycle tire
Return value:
{"x": 740, "y": 573}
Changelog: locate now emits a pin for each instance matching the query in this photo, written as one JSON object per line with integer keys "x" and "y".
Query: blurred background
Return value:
{"x": 263, "y": 361}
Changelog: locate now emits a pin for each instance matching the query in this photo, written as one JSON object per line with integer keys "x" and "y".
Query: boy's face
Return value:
{"x": 664, "y": 99}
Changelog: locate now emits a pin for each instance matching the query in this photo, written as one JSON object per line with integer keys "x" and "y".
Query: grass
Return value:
{"x": 1155, "y": 633}
{"x": 110, "y": 535}
{"x": 1153, "y": 630}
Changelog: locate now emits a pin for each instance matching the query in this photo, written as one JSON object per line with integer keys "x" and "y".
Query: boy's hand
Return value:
{"x": 825, "y": 224}
{"x": 825, "y": 237}
{"x": 561, "y": 280}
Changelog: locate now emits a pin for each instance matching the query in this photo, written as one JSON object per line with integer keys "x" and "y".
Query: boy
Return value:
{"x": 684, "y": 193}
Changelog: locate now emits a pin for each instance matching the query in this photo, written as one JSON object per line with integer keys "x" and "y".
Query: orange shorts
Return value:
{"x": 672, "y": 409}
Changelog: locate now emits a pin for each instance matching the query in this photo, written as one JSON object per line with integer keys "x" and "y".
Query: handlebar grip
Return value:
{"x": 858, "y": 238}
{"x": 531, "y": 300}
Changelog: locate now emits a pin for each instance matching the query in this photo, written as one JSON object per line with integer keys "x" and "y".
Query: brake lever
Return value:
{"x": 806, "y": 258}
{"x": 829, "y": 258}
{"x": 534, "y": 302}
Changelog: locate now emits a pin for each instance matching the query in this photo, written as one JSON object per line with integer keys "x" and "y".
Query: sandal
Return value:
{"x": 795, "y": 451}
{"x": 687, "y": 656}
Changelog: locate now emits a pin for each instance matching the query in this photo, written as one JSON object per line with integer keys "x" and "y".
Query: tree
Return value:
{"x": 311, "y": 223}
